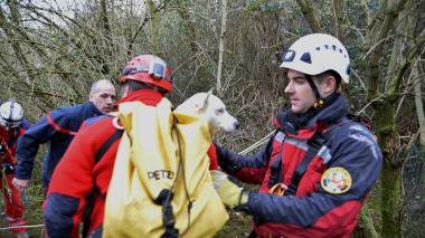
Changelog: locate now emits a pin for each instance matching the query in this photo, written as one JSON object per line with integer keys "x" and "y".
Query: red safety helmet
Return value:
{"x": 148, "y": 69}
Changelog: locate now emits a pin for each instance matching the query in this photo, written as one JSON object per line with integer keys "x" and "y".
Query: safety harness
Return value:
{"x": 275, "y": 181}
{"x": 315, "y": 143}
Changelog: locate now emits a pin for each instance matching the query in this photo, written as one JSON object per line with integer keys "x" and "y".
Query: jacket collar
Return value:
{"x": 287, "y": 121}
{"x": 146, "y": 96}
{"x": 93, "y": 109}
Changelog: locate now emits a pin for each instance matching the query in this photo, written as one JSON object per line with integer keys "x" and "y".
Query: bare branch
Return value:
{"x": 311, "y": 14}
{"x": 419, "y": 105}
{"x": 221, "y": 48}
{"x": 374, "y": 41}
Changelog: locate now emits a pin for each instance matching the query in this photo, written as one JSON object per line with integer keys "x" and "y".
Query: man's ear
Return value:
{"x": 329, "y": 85}
{"x": 91, "y": 97}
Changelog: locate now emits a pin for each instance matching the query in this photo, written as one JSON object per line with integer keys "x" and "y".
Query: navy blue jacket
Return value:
{"x": 58, "y": 129}
{"x": 333, "y": 188}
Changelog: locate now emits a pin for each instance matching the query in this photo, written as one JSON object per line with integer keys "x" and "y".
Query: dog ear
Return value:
{"x": 210, "y": 91}
{"x": 205, "y": 102}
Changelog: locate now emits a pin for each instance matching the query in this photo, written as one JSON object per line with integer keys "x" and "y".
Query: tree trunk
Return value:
{"x": 107, "y": 38}
{"x": 385, "y": 117}
{"x": 419, "y": 99}
{"x": 221, "y": 48}
{"x": 336, "y": 8}
{"x": 391, "y": 201}
{"x": 153, "y": 27}
{"x": 311, "y": 13}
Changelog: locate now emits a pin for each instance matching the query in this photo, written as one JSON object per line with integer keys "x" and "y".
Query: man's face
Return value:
{"x": 103, "y": 98}
{"x": 299, "y": 92}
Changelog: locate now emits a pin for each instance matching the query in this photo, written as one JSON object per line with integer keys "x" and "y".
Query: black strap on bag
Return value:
{"x": 166, "y": 196}
{"x": 105, "y": 146}
{"x": 168, "y": 220}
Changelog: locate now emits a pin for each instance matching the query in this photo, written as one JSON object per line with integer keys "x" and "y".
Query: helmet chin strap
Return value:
{"x": 319, "y": 100}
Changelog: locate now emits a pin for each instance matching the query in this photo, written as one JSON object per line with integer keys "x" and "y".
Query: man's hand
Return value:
{"x": 226, "y": 160}
{"x": 231, "y": 194}
{"x": 20, "y": 184}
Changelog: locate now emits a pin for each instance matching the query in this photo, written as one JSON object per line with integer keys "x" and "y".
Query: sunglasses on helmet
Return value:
{"x": 156, "y": 69}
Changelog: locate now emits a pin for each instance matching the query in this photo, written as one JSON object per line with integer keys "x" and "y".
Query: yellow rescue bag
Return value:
{"x": 154, "y": 192}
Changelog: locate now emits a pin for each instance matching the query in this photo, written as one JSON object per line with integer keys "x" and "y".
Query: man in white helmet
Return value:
{"x": 12, "y": 125}
{"x": 317, "y": 169}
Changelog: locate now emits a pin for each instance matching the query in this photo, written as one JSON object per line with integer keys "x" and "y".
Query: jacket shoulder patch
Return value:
{"x": 336, "y": 180}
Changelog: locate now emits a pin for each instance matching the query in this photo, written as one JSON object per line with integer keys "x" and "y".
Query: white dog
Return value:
{"x": 212, "y": 109}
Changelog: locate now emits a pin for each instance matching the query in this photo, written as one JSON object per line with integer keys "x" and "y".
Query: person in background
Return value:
{"x": 316, "y": 171}
{"x": 81, "y": 181}
{"x": 58, "y": 128}
{"x": 12, "y": 126}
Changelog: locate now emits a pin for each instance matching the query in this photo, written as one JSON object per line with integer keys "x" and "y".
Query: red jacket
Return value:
{"x": 8, "y": 139}
{"x": 80, "y": 182}
{"x": 329, "y": 195}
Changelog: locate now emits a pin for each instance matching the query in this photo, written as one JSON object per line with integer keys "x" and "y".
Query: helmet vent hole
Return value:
{"x": 318, "y": 48}
{"x": 288, "y": 56}
{"x": 327, "y": 47}
{"x": 306, "y": 58}
{"x": 333, "y": 47}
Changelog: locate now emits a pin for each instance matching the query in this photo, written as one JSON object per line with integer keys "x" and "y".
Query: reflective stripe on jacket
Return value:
{"x": 54, "y": 129}
{"x": 314, "y": 211}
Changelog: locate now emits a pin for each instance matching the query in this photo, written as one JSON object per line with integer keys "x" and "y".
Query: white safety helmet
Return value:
{"x": 317, "y": 53}
{"x": 11, "y": 114}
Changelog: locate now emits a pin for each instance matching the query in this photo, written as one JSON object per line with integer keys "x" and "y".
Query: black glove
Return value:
{"x": 227, "y": 160}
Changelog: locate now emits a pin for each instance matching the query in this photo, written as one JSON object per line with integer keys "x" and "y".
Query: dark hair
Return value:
{"x": 322, "y": 76}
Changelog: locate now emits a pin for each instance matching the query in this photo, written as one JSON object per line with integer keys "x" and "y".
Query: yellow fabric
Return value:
{"x": 231, "y": 194}
{"x": 147, "y": 162}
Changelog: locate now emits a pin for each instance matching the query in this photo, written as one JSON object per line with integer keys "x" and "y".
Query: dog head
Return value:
{"x": 212, "y": 109}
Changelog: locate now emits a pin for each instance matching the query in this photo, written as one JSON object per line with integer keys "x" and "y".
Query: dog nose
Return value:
{"x": 236, "y": 125}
